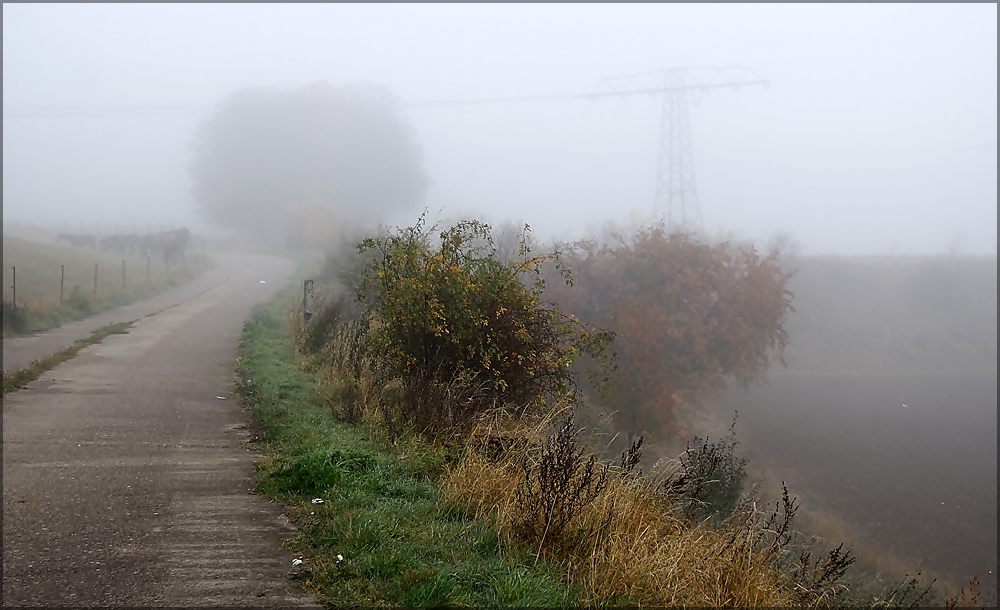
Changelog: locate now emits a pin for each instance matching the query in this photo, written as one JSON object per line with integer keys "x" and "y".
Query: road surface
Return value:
{"x": 19, "y": 352}
{"x": 125, "y": 481}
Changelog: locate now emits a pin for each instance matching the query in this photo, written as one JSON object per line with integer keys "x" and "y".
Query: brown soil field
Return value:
{"x": 885, "y": 421}
{"x": 915, "y": 485}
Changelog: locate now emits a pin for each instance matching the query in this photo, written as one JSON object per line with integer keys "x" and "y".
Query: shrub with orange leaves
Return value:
{"x": 689, "y": 317}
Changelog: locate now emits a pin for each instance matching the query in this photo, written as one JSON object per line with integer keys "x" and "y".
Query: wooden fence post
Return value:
{"x": 307, "y": 300}
{"x": 62, "y": 282}
{"x": 13, "y": 285}
{"x": 95, "y": 278}
{"x": 123, "y": 274}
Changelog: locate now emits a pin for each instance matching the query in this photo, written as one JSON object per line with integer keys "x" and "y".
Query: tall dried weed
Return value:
{"x": 621, "y": 536}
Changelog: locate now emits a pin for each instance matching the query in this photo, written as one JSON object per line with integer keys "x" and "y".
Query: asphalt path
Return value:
{"x": 19, "y": 352}
{"x": 125, "y": 478}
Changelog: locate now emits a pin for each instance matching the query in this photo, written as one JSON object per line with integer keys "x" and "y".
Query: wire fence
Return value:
{"x": 37, "y": 287}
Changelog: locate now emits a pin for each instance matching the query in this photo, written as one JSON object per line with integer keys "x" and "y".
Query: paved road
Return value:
{"x": 21, "y": 351}
{"x": 125, "y": 482}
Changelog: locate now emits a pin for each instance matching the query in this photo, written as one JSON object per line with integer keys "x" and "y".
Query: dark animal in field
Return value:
{"x": 171, "y": 244}
{"x": 78, "y": 241}
{"x": 122, "y": 244}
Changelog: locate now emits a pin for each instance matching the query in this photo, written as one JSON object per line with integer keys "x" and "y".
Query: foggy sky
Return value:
{"x": 877, "y": 134}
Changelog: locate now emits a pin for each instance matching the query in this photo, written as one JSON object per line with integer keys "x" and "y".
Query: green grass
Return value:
{"x": 379, "y": 533}
{"x": 38, "y": 279}
{"x": 15, "y": 380}
{"x": 379, "y": 537}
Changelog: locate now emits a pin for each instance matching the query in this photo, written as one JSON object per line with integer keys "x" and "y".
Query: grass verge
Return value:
{"x": 371, "y": 528}
{"x": 508, "y": 510}
{"x": 40, "y": 305}
{"x": 15, "y": 380}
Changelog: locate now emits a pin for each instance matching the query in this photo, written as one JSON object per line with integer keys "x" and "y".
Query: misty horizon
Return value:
{"x": 877, "y": 134}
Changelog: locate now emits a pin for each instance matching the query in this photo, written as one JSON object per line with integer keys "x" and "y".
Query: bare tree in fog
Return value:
{"x": 306, "y": 161}
{"x": 783, "y": 248}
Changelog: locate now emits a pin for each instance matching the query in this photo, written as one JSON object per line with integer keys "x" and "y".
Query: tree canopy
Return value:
{"x": 305, "y": 161}
{"x": 690, "y": 318}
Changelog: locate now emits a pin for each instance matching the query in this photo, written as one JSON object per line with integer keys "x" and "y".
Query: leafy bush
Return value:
{"x": 689, "y": 317}
{"x": 462, "y": 330}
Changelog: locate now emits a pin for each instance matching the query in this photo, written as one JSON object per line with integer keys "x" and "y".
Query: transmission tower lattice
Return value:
{"x": 676, "y": 193}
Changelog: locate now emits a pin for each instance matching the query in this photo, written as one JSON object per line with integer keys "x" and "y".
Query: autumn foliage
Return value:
{"x": 463, "y": 331}
{"x": 690, "y": 318}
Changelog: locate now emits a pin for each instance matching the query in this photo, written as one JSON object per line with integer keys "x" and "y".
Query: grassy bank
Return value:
{"x": 434, "y": 521}
{"x": 380, "y": 535}
{"x": 42, "y": 268}
{"x": 424, "y": 437}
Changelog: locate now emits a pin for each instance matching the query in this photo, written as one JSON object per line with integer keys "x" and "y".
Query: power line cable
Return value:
{"x": 182, "y": 111}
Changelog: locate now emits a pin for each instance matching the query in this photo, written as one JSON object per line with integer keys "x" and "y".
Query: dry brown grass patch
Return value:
{"x": 635, "y": 549}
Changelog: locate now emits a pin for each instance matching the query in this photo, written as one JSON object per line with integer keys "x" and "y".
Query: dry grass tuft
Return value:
{"x": 620, "y": 537}
{"x": 634, "y": 548}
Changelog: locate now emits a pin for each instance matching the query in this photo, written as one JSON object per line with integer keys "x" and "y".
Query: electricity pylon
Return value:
{"x": 676, "y": 192}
